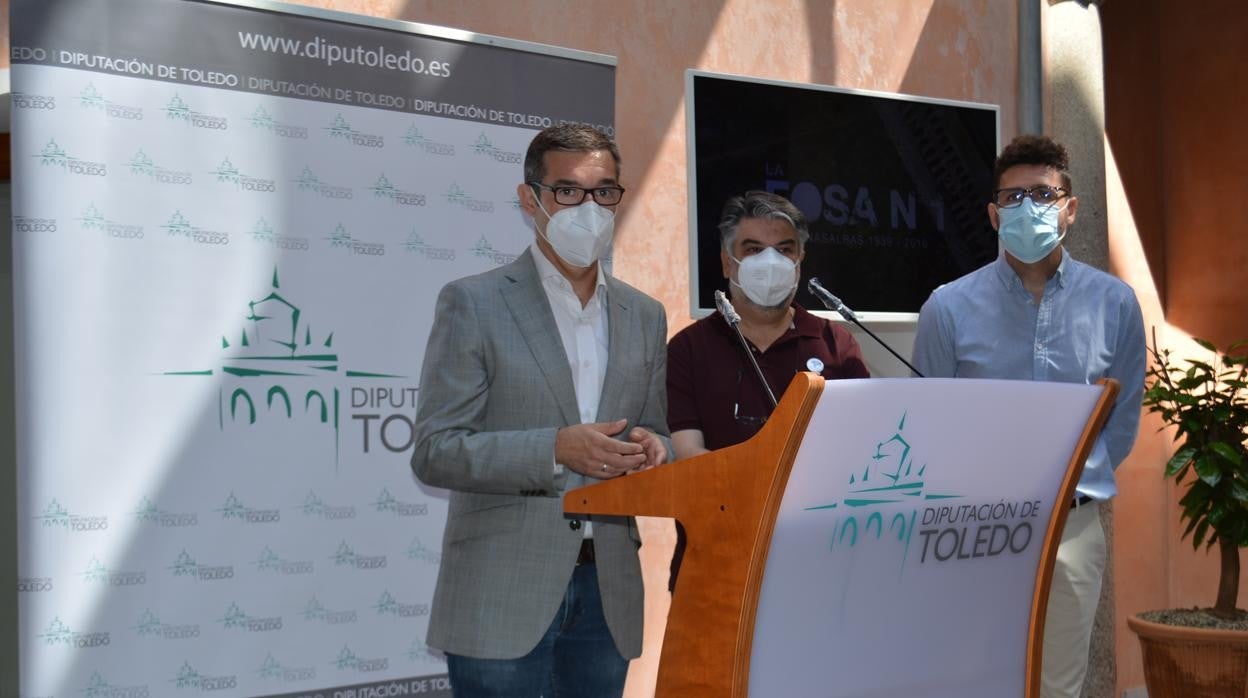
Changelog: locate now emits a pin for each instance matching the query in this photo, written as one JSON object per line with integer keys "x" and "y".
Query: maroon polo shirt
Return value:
{"x": 708, "y": 373}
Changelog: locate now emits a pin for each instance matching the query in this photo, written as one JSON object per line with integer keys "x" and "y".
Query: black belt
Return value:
{"x": 586, "y": 556}
{"x": 1080, "y": 501}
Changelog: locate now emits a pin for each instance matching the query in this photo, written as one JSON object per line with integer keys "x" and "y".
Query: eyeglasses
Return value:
{"x": 753, "y": 424}
{"x": 573, "y": 196}
{"x": 1042, "y": 195}
{"x": 750, "y": 424}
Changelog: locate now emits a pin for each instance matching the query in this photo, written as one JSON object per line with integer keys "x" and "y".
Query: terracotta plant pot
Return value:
{"x": 1188, "y": 662}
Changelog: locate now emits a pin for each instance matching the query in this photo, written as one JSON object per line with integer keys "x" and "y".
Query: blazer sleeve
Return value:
{"x": 654, "y": 413}
{"x": 453, "y": 449}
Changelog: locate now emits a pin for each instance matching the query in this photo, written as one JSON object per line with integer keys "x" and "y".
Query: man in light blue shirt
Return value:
{"x": 1037, "y": 314}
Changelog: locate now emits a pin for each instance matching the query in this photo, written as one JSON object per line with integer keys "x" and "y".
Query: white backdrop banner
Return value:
{"x": 230, "y": 224}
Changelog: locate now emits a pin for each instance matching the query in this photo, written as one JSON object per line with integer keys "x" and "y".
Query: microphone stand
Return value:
{"x": 730, "y": 314}
{"x": 831, "y": 302}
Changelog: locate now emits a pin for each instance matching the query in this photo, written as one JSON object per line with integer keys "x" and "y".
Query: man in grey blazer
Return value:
{"x": 542, "y": 376}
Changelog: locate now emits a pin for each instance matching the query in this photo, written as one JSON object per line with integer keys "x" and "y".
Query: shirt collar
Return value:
{"x": 806, "y": 323}
{"x": 550, "y": 274}
{"x": 1010, "y": 280}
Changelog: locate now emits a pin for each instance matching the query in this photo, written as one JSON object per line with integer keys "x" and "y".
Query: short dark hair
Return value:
{"x": 760, "y": 204}
{"x": 1032, "y": 150}
{"x": 575, "y": 138}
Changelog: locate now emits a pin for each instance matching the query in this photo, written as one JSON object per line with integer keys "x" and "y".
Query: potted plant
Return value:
{"x": 1203, "y": 651}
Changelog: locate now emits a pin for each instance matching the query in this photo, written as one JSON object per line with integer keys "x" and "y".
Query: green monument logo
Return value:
{"x": 263, "y": 120}
{"x": 484, "y": 249}
{"x": 868, "y": 511}
{"x": 340, "y": 129}
{"x": 277, "y": 365}
{"x": 414, "y": 138}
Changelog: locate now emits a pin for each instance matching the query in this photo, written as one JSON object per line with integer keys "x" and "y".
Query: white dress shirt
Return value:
{"x": 583, "y": 331}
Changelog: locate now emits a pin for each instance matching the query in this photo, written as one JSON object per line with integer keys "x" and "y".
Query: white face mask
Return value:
{"x": 768, "y": 278}
{"x": 579, "y": 234}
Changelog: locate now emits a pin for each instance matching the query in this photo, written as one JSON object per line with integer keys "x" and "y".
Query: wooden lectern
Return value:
{"x": 729, "y": 500}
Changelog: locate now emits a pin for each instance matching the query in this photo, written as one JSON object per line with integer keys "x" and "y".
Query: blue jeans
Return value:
{"x": 576, "y": 658}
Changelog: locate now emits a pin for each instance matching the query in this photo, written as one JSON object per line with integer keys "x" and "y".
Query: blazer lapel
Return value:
{"x": 621, "y": 337}
{"x": 526, "y": 299}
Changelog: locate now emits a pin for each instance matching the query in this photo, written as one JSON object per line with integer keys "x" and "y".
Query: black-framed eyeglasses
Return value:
{"x": 1042, "y": 195}
{"x": 746, "y": 421}
{"x": 753, "y": 423}
{"x": 566, "y": 195}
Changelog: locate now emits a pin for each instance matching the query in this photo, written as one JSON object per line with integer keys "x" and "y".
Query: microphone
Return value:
{"x": 730, "y": 314}
{"x": 831, "y": 302}
{"x": 725, "y": 308}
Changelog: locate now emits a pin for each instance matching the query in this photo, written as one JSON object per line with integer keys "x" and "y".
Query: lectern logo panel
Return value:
{"x": 891, "y": 501}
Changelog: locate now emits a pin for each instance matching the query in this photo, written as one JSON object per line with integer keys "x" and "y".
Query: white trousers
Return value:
{"x": 1073, "y": 600}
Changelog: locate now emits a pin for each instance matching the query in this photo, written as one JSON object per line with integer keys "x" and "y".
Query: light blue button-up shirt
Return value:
{"x": 1087, "y": 326}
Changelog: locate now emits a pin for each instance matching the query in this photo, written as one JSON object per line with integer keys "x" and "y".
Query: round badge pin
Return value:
{"x": 814, "y": 364}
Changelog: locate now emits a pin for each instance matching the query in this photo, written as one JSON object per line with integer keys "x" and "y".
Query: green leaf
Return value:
{"x": 1217, "y": 514}
{"x": 1195, "y": 364}
{"x": 1190, "y": 382}
{"x": 1190, "y": 425}
{"x": 1202, "y": 527}
{"x": 1179, "y": 460}
{"x": 1196, "y": 499}
{"x": 1239, "y": 492}
{"x": 1226, "y": 451}
{"x": 1155, "y": 392}
{"x": 1206, "y": 344}
{"x": 1207, "y": 470}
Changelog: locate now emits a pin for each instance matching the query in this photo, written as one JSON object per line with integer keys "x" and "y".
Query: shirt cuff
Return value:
{"x": 560, "y": 475}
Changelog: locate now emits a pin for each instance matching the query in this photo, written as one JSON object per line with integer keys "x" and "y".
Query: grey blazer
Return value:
{"x": 494, "y": 389}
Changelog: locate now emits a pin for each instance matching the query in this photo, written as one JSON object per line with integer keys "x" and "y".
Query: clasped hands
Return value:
{"x": 591, "y": 450}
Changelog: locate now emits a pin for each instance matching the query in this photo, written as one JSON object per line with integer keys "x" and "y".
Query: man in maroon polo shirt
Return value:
{"x": 714, "y": 397}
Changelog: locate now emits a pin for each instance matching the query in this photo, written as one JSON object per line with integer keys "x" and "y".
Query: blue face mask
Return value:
{"x": 1028, "y": 231}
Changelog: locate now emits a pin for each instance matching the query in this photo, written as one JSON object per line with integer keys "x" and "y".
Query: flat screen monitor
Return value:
{"x": 895, "y": 188}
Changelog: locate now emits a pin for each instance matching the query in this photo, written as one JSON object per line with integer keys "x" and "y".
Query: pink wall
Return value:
{"x": 1175, "y": 94}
